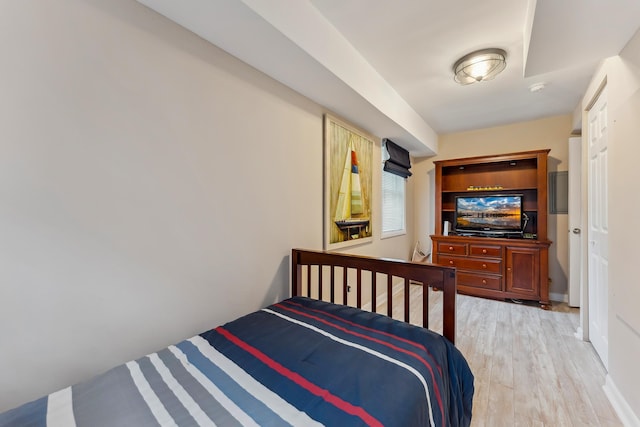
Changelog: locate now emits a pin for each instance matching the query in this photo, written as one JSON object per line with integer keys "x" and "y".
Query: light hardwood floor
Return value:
{"x": 529, "y": 368}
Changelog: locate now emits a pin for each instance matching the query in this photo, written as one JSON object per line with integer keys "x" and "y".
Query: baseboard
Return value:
{"x": 620, "y": 405}
{"x": 558, "y": 297}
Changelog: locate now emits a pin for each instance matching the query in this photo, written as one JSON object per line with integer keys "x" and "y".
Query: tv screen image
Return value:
{"x": 497, "y": 213}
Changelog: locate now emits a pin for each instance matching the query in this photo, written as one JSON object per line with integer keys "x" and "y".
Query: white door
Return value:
{"x": 598, "y": 233}
{"x": 575, "y": 220}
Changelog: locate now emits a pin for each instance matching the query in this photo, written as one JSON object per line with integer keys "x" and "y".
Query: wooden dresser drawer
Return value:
{"x": 486, "y": 250}
{"x": 480, "y": 265}
{"x": 480, "y": 281}
{"x": 452, "y": 248}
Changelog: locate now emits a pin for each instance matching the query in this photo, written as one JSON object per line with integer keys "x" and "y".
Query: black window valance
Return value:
{"x": 398, "y": 162}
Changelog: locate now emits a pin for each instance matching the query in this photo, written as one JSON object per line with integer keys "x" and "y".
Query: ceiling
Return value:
{"x": 386, "y": 65}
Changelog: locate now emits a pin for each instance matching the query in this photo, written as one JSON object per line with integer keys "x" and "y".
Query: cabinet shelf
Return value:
{"x": 466, "y": 191}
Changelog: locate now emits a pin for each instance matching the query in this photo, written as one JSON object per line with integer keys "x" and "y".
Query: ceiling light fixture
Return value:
{"x": 479, "y": 66}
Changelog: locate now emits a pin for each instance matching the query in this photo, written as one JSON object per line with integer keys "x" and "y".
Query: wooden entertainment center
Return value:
{"x": 516, "y": 267}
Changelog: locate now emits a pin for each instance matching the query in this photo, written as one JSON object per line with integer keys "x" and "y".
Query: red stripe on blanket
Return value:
{"x": 378, "y": 341}
{"x": 366, "y": 328}
{"x": 301, "y": 381}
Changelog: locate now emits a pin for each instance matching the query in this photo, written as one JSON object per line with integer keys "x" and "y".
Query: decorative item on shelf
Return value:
{"x": 484, "y": 187}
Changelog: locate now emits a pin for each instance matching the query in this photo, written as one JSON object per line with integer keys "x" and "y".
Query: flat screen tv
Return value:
{"x": 496, "y": 214}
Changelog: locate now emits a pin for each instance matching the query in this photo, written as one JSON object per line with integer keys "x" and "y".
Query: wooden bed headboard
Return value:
{"x": 432, "y": 275}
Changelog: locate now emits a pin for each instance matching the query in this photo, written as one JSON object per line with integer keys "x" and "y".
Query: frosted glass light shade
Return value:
{"x": 479, "y": 66}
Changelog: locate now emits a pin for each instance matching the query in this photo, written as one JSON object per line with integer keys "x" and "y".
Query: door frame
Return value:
{"x": 575, "y": 220}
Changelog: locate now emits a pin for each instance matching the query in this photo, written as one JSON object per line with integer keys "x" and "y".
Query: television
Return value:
{"x": 498, "y": 215}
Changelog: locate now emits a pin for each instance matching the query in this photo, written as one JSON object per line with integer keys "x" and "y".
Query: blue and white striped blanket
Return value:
{"x": 300, "y": 362}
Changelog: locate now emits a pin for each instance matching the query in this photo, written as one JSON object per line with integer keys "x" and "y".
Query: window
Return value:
{"x": 393, "y": 204}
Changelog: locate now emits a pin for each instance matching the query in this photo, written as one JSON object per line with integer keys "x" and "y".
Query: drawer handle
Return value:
{"x": 484, "y": 265}
{"x": 484, "y": 251}
{"x": 484, "y": 281}
{"x": 451, "y": 262}
{"x": 450, "y": 248}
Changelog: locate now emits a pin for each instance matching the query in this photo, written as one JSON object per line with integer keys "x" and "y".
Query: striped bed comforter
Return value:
{"x": 300, "y": 362}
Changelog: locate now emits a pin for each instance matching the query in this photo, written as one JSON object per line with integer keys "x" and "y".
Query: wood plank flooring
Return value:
{"x": 529, "y": 368}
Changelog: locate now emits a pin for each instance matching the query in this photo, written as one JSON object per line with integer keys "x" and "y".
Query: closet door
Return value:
{"x": 598, "y": 252}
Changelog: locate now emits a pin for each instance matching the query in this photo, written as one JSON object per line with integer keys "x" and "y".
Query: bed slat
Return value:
{"x": 320, "y": 282}
{"x": 359, "y": 286}
{"x": 374, "y": 302}
{"x": 389, "y": 292}
{"x": 407, "y": 299}
{"x": 344, "y": 285}
{"x": 425, "y": 313}
{"x": 333, "y": 284}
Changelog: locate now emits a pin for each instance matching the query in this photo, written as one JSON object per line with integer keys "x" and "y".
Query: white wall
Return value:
{"x": 622, "y": 74}
{"x": 152, "y": 187}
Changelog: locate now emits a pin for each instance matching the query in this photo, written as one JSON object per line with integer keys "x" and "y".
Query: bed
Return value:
{"x": 302, "y": 361}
